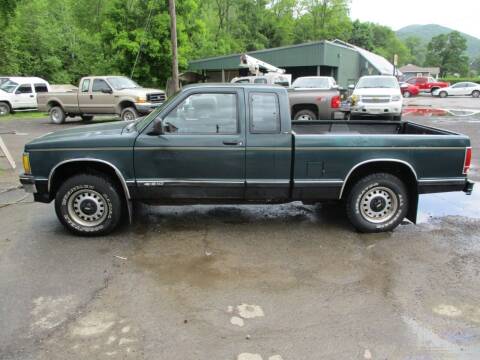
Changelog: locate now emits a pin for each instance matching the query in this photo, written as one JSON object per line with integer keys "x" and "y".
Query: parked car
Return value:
{"x": 409, "y": 90}
{"x": 235, "y": 143}
{"x": 427, "y": 84}
{"x": 99, "y": 95}
{"x": 268, "y": 78}
{"x": 314, "y": 98}
{"x": 377, "y": 96}
{"x": 459, "y": 89}
{"x": 20, "y": 93}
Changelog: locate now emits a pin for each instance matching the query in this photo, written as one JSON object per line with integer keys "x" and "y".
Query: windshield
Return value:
{"x": 314, "y": 83}
{"x": 8, "y": 86}
{"x": 377, "y": 82}
{"x": 120, "y": 82}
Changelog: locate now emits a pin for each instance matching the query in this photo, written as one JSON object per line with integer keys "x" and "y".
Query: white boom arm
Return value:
{"x": 255, "y": 65}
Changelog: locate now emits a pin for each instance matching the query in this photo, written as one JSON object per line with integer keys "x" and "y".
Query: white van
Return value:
{"x": 20, "y": 93}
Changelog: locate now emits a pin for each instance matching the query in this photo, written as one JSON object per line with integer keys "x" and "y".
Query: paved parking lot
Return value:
{"x": 241, "y": 282}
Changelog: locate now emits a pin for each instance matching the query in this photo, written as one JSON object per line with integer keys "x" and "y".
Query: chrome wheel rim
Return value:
{"x": 378, "y": 204}
{"x": 3, "y": 110}
{"x": 87, "y": 207}
{"x": 128, "y": 116}
{"x": 304, "y": 117}
{"x": 406, "y": 94}
{"x": 56, "y": 117}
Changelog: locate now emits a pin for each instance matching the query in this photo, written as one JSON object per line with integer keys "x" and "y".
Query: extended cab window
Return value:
{"x": 85, "y": 85}
{"x": 24, "y": 89}
{"x": 209, "y": 113}
{"x": 264, "y": 113}
{"x": 100, "y": 85}
{"x": 39, "y": 88}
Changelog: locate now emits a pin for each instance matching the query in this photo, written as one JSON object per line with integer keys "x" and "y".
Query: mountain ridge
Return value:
{"x": 427, "y": 32}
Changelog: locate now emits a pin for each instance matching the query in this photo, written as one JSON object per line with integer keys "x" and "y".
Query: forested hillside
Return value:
{"x": 62, "y": 40}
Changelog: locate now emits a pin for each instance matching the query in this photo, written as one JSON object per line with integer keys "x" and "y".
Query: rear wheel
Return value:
{"x": 4, "y": 109}
{"x": 57, "y": 115}
{"x": 407, "y": 94}
{"x": 476, "y": 94}
{"x": 305, "y": 115}
{"x": 88, "y": 205}
{"x": 87, "y": 117}
{"x": 129, "y": 114}
{"x": 443, "y": 94}
{"x": 377, "y": 203}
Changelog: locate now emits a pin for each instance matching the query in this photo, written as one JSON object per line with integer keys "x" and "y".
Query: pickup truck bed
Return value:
{"x": 214, "y": 144}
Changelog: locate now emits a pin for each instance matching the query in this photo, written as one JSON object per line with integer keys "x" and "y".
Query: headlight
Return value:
{"x": 396, "y": 98}
{"x": 26, "y": 163}
{"x": 141, "y": 99}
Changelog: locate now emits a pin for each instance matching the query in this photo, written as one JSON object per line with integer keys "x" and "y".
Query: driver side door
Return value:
{"x": 201, "y": 153}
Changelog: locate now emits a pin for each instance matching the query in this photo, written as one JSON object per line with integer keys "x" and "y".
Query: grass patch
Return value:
{"x": 27, "y": 115}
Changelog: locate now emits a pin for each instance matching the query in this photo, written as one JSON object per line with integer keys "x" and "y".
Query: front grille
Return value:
{"x": 155, "y": 98}
{"x": 375, "y": 99}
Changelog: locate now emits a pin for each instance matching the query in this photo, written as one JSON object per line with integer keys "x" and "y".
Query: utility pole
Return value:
{"x": 173, "y": 31}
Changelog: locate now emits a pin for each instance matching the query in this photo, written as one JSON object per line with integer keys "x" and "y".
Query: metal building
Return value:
{"x": 345, "y": 62}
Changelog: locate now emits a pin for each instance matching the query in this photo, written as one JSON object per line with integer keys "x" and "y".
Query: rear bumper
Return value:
{"x": 428, "y": 186}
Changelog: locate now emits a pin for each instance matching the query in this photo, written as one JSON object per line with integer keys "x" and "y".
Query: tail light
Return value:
{"x": 468, "y": 160}
{"x": 335, "y": 102}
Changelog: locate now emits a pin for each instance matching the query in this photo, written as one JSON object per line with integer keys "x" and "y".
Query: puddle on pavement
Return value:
{"x": 419, "y": 111}
{"x": 448, "y": 204}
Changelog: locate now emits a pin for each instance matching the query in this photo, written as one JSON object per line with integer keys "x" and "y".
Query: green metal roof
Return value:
{"x": 309, "y": 54}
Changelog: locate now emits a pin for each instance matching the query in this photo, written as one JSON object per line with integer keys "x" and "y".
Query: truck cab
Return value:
{"x": 20, "y": 93}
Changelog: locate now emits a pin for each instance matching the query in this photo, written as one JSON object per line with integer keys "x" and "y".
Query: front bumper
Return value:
{"x": 147, "y": 108}
{"x": 28, "y": 183}
{"x": 390, "y": 108}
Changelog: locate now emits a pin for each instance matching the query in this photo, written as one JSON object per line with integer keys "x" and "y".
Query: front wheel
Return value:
{"x": 4, "y": 109}
{"x": 476, "y": 94}
{"x": 305, "y": 115}
{"x": 377, "y": 203}
{"x": 88, "y": 205}
{"x": 443, "y": 94}
{"x": 407, "y": 94}
{"x": 129, "y": 114}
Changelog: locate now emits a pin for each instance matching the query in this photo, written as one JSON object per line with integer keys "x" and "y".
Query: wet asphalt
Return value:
{"x": 241, "y": 282}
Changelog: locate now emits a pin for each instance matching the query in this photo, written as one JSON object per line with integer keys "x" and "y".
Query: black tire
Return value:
{"x": 305, "y": 115}
{"x": 476, "y": 94}
{"x": 5, "y": 109}
{"x": 443, "y": 94}
{"x": 79, "y": 196}
{"x": 129, "y": 114}
{"x": 57, "y": 115}
{"x": 407, "y": 94}
{"x": 87, "y": 117}
{"x": 377, "y": 190}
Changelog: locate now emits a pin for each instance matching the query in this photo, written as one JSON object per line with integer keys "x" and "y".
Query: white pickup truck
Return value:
{"x": 20, "y": 93}
{"x": 377, "y": 96}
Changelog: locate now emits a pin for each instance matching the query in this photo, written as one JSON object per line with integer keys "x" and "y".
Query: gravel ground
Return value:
{"x": 241, "y": 282}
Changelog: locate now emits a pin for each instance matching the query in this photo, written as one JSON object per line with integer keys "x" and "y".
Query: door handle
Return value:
{"x": 233, "y": 143}
{"x": 32, "y": 96}
{"x": 91, "y": 96}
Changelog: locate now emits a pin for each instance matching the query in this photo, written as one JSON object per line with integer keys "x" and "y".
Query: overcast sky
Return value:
{"x": 462, "y": 15}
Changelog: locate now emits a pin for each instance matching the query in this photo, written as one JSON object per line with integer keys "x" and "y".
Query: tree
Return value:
{"x": 447, "y": 51}
{"x": 417, "y": 49}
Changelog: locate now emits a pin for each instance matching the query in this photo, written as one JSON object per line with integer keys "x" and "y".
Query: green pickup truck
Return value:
{"x": 236, "y": 143}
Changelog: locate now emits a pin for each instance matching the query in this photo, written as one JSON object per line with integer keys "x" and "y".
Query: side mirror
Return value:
{"x": 158, "y": 127}
{"x": 107, "y": 91}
